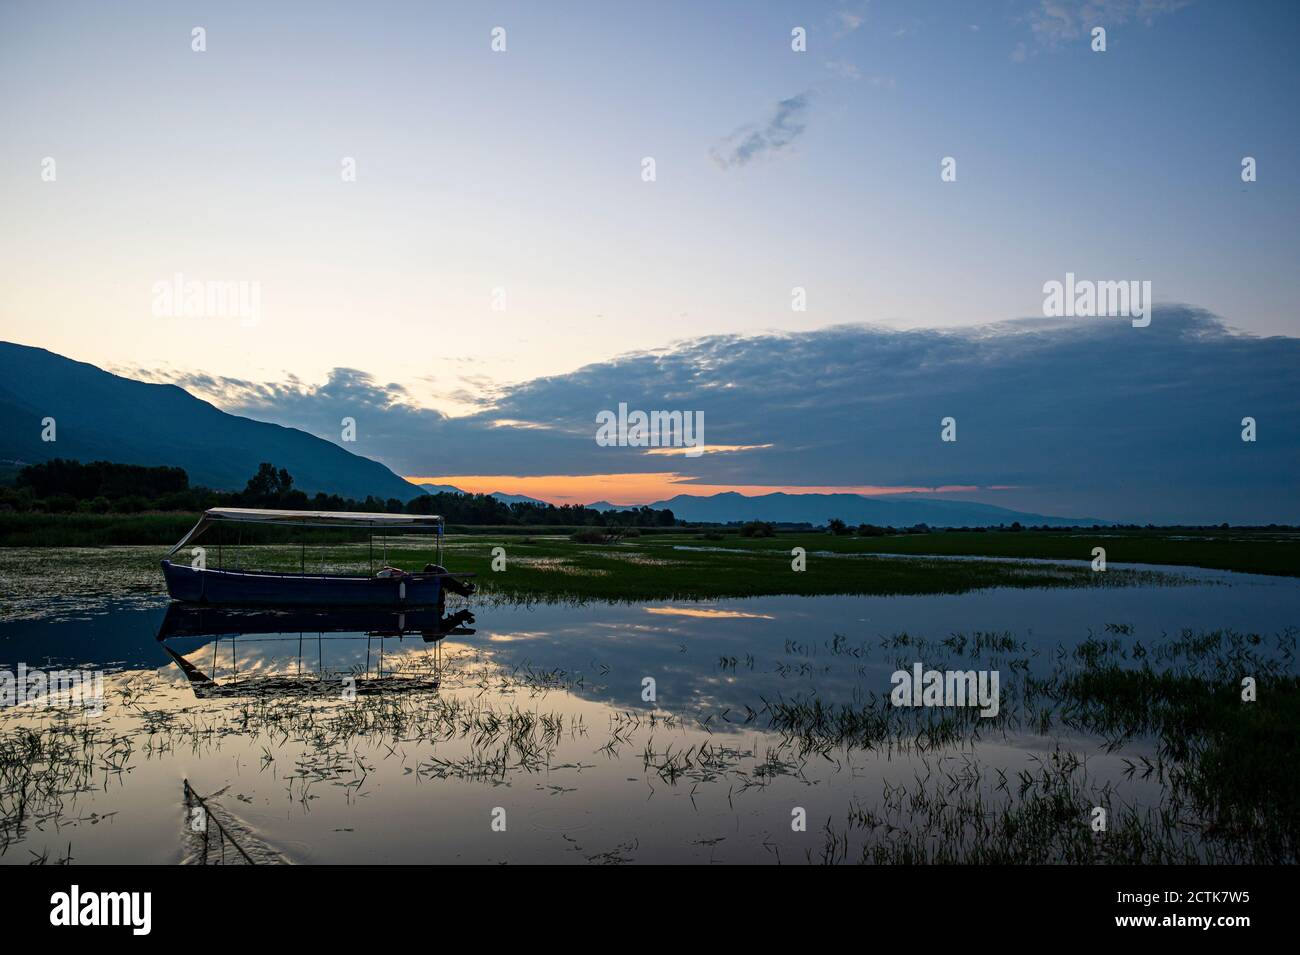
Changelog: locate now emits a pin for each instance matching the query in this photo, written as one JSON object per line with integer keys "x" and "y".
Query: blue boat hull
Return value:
{"x": 249, "y": 588}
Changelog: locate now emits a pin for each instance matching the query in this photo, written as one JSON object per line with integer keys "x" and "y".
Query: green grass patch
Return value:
{"x": 657, "y": 568}
{"x": 546, "y": 564}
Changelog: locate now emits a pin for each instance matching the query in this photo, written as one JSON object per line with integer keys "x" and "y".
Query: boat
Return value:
{"x": 196, "y": 582}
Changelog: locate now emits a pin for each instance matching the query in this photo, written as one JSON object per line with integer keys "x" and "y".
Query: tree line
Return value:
{"x": 63, "y": 486}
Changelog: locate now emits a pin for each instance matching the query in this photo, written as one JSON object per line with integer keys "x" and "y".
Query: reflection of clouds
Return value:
{"x": 840, "y": 647}
{"x": 249, "y": 658}
{"x": 707, "y": 614}
{"x": 516, "y": 637}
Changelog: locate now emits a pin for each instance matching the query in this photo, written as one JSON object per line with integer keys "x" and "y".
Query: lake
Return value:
{"x": 526, "y": 733}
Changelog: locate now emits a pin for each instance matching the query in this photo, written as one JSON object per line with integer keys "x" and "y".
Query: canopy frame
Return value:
{"x": 283, "y": 518}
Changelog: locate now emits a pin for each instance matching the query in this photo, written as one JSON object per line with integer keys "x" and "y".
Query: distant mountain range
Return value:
{"x": 516, "y": 498}
{"x": 439, "y": 488}
{"x": 504, "y": 498}
{"x": 885, "y": 511}
{"x": 895, "y": 510}
{"x": 101, "y": 416}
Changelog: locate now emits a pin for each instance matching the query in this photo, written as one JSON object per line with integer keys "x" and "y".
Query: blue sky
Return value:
{"x": 521, "y": 171}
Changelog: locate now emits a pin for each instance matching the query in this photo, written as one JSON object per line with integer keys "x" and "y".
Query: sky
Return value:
{"x": 500, "y": 269}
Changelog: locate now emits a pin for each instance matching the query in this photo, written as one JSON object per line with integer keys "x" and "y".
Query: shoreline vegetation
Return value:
{"x": 71, "y": 489}
{"x": 526, "y": 551}
{"x": 682, "y": 565}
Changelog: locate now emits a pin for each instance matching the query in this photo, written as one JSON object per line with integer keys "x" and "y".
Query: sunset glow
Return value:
{"x": 646, "y": 488}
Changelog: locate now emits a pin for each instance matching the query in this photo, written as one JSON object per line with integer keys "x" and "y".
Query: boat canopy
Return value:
{"x": 253, "y": 515}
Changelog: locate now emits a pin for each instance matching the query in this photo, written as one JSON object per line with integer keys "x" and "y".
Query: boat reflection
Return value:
{"x": 338, "y": 654}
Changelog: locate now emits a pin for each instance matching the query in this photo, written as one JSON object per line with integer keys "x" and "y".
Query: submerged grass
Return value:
{"x": 1222, "y": 764}
{"x": 1207, "y": 776}
{"x": 1041, "y": 815}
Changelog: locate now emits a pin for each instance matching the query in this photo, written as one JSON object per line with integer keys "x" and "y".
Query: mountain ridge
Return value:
{"x": 102, "y": 416}
{"x": 885, "y": 510}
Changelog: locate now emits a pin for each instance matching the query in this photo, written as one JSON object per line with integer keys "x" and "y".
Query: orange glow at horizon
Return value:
{"x": 646, "y": 488}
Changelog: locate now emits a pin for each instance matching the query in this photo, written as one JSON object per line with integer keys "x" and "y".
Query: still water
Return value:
{"x": 528, "y": 733}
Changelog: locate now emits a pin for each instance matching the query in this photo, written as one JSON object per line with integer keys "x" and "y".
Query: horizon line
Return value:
{"x": 636, "y": 489}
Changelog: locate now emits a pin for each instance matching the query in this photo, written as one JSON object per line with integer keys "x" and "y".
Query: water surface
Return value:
{"x": 539, "y": 717}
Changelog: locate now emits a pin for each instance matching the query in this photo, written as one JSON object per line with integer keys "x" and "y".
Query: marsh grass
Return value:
{"x": 965, "y": 814}
{"x": 60, "y": 582}
{"x": 41, "y": 768}
{"x": 655, "y": 568}
{"x": 1206, "y": 778}
{"x": 1229, "y": 785}
{"x": 38, "y": 560}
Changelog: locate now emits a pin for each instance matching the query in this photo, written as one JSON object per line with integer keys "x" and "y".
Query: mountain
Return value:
{"x": 101, "y": 416}
{"x": 499, "y": 495}
{"x": 515, "y": 498}
{"x": 439, "y": 488}
{"x": 886, "y": 511}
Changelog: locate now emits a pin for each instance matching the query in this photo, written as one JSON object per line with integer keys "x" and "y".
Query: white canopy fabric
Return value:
{"x": 319, "y": 517}
{"x": 253, "y": 515}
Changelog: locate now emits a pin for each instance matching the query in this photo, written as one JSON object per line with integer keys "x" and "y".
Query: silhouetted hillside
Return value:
{"x": 101, "y": 416}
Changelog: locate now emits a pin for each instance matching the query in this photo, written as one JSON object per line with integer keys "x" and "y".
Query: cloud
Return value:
{"x": 786, "y": 124}
{"x": 1054, "y": 21}
{"x": 386, "y": 415}
{"x": 850, "y": 20}
{"x": 844, "y": 69}
{"x": 708, "y": 449}
{"x": 1070, "y": 416}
